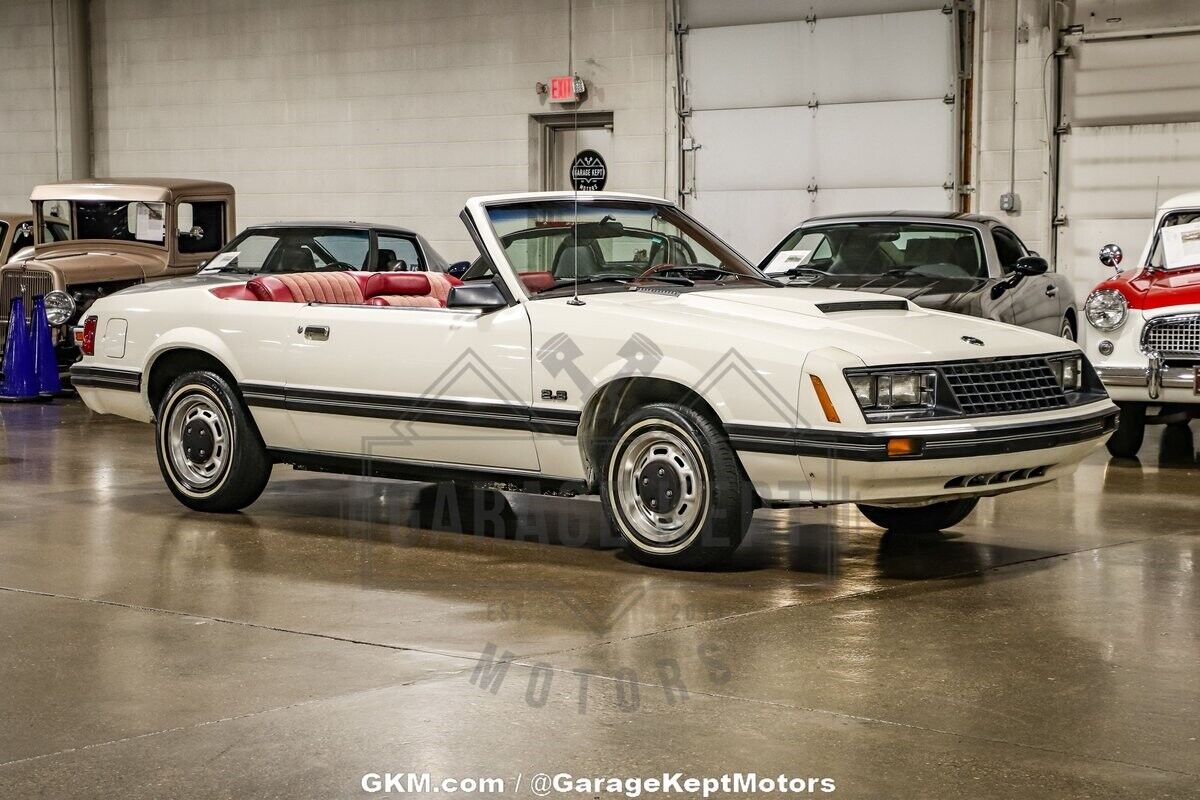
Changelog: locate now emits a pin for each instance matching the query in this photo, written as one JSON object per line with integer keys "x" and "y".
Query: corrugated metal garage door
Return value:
{"x": 797, "y": 118}
{"x": 1133, "y": 106}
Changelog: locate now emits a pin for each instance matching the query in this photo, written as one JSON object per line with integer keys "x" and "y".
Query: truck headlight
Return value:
{"x": 886, "y": 393}
{"x": 60, "y": 307}
{"x": 1069, "y": 372}
{"x": 1106, "y": 309}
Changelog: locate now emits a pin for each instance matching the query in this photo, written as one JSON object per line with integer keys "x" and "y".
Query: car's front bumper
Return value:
{"x": 1155, "y": 382}
{"x": 954, "y": 459}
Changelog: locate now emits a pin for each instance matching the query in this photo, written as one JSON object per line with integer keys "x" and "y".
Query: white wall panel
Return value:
{"x": 845, "y": 60}
{"x": 877, "y": 134}
{"x": 712, "y": 13}
{"x": 1134, "y": 81}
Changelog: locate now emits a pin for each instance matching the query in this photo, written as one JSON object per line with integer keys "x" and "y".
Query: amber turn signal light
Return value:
{"x": 898, "y": 448}
{"x": 823, "y": 396}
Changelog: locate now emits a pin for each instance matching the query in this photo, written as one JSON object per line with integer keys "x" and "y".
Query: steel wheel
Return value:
{"x": 661, "y": 485}
{"x": 198, "y": 439}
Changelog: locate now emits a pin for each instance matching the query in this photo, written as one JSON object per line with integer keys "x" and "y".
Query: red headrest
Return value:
{"x": 268, "y": 287}
{"x": 396, "y": 283}
{"x": 537, "y": 281}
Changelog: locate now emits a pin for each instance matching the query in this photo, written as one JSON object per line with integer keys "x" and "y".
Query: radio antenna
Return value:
{"x": 574, "y": 301}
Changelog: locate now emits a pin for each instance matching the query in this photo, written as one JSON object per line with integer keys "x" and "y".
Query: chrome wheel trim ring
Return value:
{"x": 194, "y": 474}
{"x": 1068, "y": 330}
{"x": 658, "y": 444}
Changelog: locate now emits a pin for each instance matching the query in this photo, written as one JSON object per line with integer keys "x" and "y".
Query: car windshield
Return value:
{"x": 879, "y": 248}
{"x": 117, "y": 220}
{"x": 607, "y": 244}
{"x": 288, "y": 249}
{"x": 1160, "y": 257}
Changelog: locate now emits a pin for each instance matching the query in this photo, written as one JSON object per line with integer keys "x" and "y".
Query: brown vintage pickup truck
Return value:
{"x": 98, "y": 236}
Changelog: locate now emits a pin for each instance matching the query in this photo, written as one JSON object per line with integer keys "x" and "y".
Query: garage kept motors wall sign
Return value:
{"x": 589, "y": 173}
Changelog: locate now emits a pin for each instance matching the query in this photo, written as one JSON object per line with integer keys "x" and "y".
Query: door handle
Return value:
{"x": 1051, "y": 291}
{"x": 315, "y": 333}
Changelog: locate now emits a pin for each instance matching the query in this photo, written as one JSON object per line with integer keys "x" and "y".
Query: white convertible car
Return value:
{"x": 602, "y": 344}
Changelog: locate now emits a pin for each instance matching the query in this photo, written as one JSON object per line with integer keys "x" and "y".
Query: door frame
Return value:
{"x": 543, "y": 127}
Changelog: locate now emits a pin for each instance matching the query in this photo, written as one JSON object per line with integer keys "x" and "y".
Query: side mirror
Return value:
{"x": 458, "y": 268}
{"x": 483, "y": 296}
{"x": 1028, "y": 266}
{"x": 1111, "y": 255}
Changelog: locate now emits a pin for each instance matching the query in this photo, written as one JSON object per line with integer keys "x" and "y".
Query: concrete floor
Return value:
{"x": 1048, "y": 647}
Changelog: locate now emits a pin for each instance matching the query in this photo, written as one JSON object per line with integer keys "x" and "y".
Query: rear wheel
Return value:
{"x": 1131, "y": 429}
{"x": 936, "y": 517}
{"x": 209, "y": 451}
{"x": 672, "y": 487}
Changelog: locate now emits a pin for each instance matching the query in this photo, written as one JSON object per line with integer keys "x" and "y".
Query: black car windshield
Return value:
{"x": 880, "y": 248}
{"x": 294, "y": 249}
{"x": 609, "y": 243}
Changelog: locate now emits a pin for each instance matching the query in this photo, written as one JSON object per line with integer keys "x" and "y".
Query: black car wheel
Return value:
{"x": 209, "y": 451}
{"x": 1068, "y": 330}
{"x": 673, "y": 488}
{"x": 1131, "y": 430}
{"x": 920, "y": 519}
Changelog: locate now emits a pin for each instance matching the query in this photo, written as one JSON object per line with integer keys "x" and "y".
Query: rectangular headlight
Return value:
{"x": 1069, "y": 372}
{"x": 881, "y": 392}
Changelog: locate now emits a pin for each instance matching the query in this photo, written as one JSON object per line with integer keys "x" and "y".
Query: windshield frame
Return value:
{"x": 511, "y": 276}
{"x": 1156, "y": 239}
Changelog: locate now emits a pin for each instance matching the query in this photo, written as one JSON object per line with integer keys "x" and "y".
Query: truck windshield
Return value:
{"x": 112, "y": 219}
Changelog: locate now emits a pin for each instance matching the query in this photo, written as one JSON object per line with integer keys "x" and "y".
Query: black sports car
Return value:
{"x": 966, "y": 263}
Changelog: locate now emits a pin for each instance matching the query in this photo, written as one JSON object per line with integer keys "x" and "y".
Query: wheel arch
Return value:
{"x": 172, "y": 361}
{"x": 614, "y": 400}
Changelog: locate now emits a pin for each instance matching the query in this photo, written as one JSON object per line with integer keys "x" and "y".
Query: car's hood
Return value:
{"x": 947, "y": 294}
{"x": 91, "y": 266}
{"x": 867, "y": 325}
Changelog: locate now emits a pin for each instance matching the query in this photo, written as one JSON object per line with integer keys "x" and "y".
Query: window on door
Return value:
{"x": 397, "y": 254}
{"x": 1008, "y": 248}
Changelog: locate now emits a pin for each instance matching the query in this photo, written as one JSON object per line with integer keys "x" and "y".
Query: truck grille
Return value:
{"x": 1174, "y": 334}
{"x": 1004, "y": 386}
{"x": 11, "y": 285}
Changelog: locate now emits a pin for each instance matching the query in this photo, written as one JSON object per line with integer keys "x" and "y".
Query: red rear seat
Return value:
{"x": 418, "y": 289}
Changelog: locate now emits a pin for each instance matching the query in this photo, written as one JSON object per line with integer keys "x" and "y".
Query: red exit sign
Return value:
{"x": 565, "y": 89}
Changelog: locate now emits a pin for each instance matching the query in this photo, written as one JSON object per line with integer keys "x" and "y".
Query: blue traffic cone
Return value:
{"x": 19, "y": 381}
{"x": 45, "y": 365}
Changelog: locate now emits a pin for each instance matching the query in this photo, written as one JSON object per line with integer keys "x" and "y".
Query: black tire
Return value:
{"x": 1131, "y": 430}
{"x": 680, "y": 457}
{"x": 921, "y": 519}
{"x": 1068, "y": 330}
{"x": 200, "y": 409}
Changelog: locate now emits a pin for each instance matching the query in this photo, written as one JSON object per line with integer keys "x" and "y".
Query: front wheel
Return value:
{"x": 921, "y": 519}
{"x": 209, "y": 451}
{"x": 1068, "y": 330}
{"x": 1131, "y": 429}
{"x": 672, "y": 487}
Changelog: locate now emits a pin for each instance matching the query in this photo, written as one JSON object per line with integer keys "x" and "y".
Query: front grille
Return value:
{"x": 1175, "y": 334}
{"x": 22, "y": 284}
{"x": 1004, "y": 385}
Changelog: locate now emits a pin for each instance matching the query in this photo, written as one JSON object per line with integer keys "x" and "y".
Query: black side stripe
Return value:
{"x": 854, "y": 446}
{"x": 506, "y": 416}
{"x": 124, "y": 380}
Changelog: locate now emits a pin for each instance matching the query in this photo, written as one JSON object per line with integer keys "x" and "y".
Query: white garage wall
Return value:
{"x": 390, "y": 110}
{"x": 27, "y": 123}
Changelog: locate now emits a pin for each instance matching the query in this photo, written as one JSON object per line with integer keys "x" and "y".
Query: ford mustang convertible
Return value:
{"x": 605, "y": 344}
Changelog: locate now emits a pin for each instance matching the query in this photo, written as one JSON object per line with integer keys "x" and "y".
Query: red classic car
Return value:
{"x": 1146, "y": 327}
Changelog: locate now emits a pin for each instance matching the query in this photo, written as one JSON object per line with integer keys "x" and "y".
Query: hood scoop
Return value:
{"x": 863, "y": 305}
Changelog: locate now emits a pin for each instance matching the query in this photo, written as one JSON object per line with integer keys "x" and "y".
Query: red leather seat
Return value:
{"x": 416, "y": 289}
{"x": 309, "y": 287}
{"x": 537, "y": 281}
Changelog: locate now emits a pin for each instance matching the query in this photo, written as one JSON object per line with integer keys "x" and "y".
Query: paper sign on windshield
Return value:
{"x": 1181, "y": 245}
{"x": 219, "y": 261}
{"x": 151, "y": 227}
{"x": 787, "y": 259}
